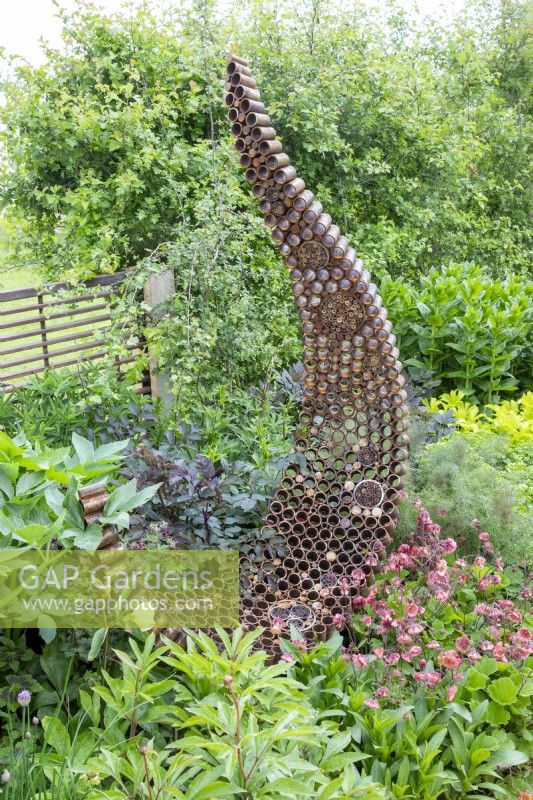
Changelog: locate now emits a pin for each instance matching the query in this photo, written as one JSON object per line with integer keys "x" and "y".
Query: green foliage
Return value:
{"x": 467, "y": 477}
{"x": 94, "y": 402}
{"x": 470, "y": 330}
{"x": 512, "y": 418}
{"x": 193, "y": 721}
{"x": 38, "y": 492}
{"x": 118, "y": 143}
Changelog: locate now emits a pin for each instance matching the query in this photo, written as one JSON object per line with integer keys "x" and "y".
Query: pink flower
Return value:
{"x": 474, "y": 656}
{"x": 499, "y": 651}
{"x": 371, "y": 703}
{"x": 287, "y": 657}
{"x": 378, "y": 652}
{"x": 442, "y": 596}
{"x": 366, "y": 619}
{"x": 339, "y": 621}
{"x": 404, "y": 638}
{"x": 359, "y": 660}
{"x": 486, "y": 646}
{"x": 499, "y": 564}
{"x": 449, "y": 659}
{"x": 382, "y": 692}
{"x": 463, "y": 644}
{"x": 448, "y": 546}
{"x": 433, "y": 678}
{"x": 391, "y": 658}
{"x": 412, "y": 653}
{"x": 461, "y": 562}
{"x": 414, "y": 630}
{"x": 413, "y": 610}
{"x": 521, "y": 653}
{"x": 450, "y": 694}
{"x": 479, "y": 561}
{"x": 523, "y": 634}
{"x": 484, "y": 536}
{"x": 433, "y": 645}
{"x": 358, "y": 575}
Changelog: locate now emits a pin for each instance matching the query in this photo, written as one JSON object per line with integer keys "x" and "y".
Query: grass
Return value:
{"x": 17, "y": 278}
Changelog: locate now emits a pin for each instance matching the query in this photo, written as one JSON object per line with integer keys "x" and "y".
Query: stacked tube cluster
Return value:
{"x": 336, "y": 511}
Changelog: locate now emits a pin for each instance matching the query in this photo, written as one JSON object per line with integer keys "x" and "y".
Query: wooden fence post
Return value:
{"x": 158, "y": 288}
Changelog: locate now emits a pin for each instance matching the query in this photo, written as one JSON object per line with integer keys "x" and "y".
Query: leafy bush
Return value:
{"x": 193, "y": 721}
{"x": 199, "y": 503}
{"x": 512, "y": 418}
{"x": 468, "y": 329}
{"x": 93, "y": 402}
{"x": 466, "y": 477}
{"x": 38, "y": 492}
{"x": 116, "y": 144}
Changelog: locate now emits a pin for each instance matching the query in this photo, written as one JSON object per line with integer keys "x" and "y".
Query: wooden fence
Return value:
{"x": 54, "y": 327}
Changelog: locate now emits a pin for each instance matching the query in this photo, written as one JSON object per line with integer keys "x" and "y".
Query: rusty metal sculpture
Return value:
{"x": 337, "y": 511}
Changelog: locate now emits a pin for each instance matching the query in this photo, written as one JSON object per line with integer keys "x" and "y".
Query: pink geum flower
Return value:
{"x": 414, "y": 630}
{"x": 404, "y": 638}
{"x": 500, "y": 651}
{"x": 449, "y": 659}
{"x": 463, "y": 644}
{"x": 450, "y": 694}
{"x": 523, "y": 634}
{"x": 484, "y": 536}
{"x": 448, "y": 546}
{"x": 359, "y": 660}
{"x": 479, "y": 561}
{"x": 382, "y": 692}
{"x": 433, "y": 645}
{"x": 412, "y": 653}
{"x": 413, "y": 610}
{"x": 391, "y": 658}
{"x": 339, "y": 621}
{"x": 430, "y": 678}
{"x": 433, "y": 678}
{"x": 379, "y": 652}
{"x": 287, "y": 657}
{"x": 371, "y": 703}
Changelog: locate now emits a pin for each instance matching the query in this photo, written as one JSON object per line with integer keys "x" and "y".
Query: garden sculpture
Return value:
{"x": 335, "y": 508}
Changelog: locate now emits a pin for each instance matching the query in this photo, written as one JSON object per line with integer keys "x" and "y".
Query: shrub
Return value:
{"x": 200, "y": 503}
{"x": 465, "y": 477}
{"x": 94, "y": 402}
{"x": 512, "y": 418}
{"x": 38, "y": 492}
{"x": 470, "y": 330}
{"x": 117, "y": 142}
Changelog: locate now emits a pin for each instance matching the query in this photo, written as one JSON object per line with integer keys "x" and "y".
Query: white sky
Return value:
{"x": 23, "y": 23}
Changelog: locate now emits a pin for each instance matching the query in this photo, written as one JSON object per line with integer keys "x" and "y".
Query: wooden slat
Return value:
{"x": 63, "y": 352}
{"x": 60, "y": 315}
{"x": 70, "y": 300}
{"x": 7, "y": 296}
{"x": 66, "y": 326}
{"x": 23, "y": 373}
{"x": 23, "y": 348}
